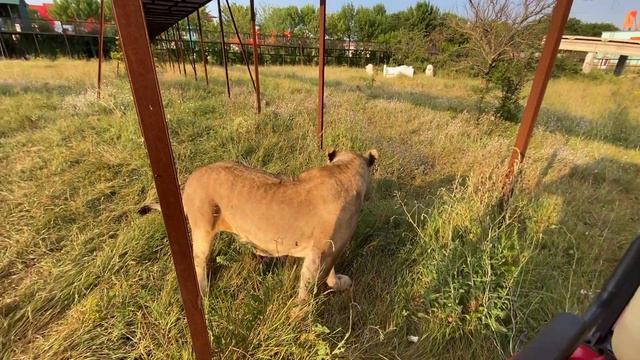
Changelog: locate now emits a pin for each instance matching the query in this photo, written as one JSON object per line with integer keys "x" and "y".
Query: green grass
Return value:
{"x": 83, "y": 276}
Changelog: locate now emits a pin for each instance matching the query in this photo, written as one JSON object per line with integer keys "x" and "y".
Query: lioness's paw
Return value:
{"x": 342, "y": 283}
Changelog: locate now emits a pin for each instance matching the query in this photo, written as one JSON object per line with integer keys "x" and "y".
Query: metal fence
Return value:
{"x": 302, "y": 53}
{"x": 79, "y": 39}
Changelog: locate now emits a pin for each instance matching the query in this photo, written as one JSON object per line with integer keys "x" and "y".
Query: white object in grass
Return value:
{"x": 369, "y": 69}
{"x": 393, "y": 71}
{"x": 429, "y": 71}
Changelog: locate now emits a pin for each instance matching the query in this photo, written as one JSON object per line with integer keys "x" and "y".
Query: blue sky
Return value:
{"x": 589, "y": 10}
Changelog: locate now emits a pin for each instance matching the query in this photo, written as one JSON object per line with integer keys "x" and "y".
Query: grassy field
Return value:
{"x": 83, "y": 276}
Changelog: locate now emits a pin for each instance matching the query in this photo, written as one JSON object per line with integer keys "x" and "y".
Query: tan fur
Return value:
{"x": 313, "y": 216}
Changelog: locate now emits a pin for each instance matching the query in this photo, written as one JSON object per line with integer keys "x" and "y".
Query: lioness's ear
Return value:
{"x": 331, "y": 154}
{"x": 373, "y": 157}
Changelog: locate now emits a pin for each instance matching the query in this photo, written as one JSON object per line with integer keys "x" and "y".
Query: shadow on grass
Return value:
{"x": 617, "y": 127}
{"x": 597, "y": 220}
{"x": 604, "y": 189}
{"x": 431, "y": 101}
{"x": 14, "y": 88}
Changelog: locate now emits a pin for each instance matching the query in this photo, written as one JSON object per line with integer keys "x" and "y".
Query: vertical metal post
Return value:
{"x": 192, "y": 53}
{"x": 35, "y": 39}
{"x": 66, "y": 43}
{"x": 224, "y": 49}
{"x": 243, "y": 51}
{"x": 256, "y": 58}
{"x": 202, "y": 49}
{"x": 543, "y": 73}
{"x": 301, "y": 53}
{"x": 178, "y": 50}
{"x": 3, "y": 51}
{"x": 148, "y": 101}
{"x": 323, "y": 17}
{"x": 100, "y": 47}
{"x": 167, "y": 43}
{"x": 181, "y": 43}
{"x": 622, "y": 61}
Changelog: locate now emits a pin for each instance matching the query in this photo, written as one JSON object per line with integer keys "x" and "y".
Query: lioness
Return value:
{"x": 312, "y": 216}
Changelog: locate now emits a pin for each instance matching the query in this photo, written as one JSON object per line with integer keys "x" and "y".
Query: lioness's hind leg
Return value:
{"x": 319, "y": 267}
{"x": 204, "y": 221}
{"x": 202, "y": 244}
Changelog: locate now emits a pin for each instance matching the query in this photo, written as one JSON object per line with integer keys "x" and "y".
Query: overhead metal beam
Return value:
{"x": 148, "y": 101}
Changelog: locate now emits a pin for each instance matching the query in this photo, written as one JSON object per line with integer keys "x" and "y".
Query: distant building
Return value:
{"x": 603, "y": 59}
{"x": 14, "y": 16}
{"x": 44, "y": 12}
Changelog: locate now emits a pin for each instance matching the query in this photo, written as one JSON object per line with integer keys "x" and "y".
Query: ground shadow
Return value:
{"x": 598, "y": 217}
{"x": 600, "y": 198}
{"x": 18, "y": 88}
{"x": 616, "y": 128}
{"x": 422, "y": 99}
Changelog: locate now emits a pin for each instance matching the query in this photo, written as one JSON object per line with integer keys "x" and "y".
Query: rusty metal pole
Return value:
{"x": 182, "y": 48}
{"x": 35, "y": 39}
{"x": 181, "y": 66}
{"x": 172, "y": 38}
{"x": 242, "y": 49}
{"x": 224, "y": 49}
{"x": 256, "y": 58}
{"x": 3, "y": 51}
{"x": 148, "y": 101}
{"x": 202, "y": 50}
{"x": 549, "y": 52}
{"x": 100, "y": 47}
{"x": 66, "y": 42}
{"x": 323, "y": 16}
{"x": 167, "y": 43}
{"x": 192, "y": 53}
{"x": 146, "y": 94}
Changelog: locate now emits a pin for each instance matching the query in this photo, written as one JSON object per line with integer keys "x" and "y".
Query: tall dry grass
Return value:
{"x": 82, "y": 276}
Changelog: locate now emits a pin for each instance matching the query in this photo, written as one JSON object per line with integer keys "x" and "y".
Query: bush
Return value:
{"x": 509, "y": 77}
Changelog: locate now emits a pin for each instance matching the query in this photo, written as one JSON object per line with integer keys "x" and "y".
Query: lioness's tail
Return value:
{"x": 149, "y": 208}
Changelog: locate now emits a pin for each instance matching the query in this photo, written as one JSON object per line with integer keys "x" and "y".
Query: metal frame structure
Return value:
{"x": 132, "y": 22}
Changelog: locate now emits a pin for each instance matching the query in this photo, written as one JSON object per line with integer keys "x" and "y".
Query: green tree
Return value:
{"x": 370, "y": 23}
{"x": 423, "y": 17}
{"x": 281, "y": 19}
{"x": 80, "y": 10}
{"x": 310, "y": 24}
{"x": 242, "y": 15}
{"x": 577, "y": 27}
{"x": 340, "y": 25}
{"x": 503, "y": 39}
